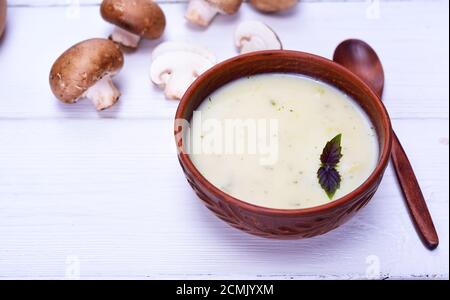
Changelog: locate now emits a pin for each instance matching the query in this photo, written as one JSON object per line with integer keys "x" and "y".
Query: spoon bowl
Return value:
{"x": 362, "y": 60}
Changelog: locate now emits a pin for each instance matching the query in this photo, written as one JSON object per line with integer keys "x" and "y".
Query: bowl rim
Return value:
{"x": 357, "y": 193}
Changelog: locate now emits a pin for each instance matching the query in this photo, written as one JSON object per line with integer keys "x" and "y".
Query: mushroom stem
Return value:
{"x": 177, "y": 85}
{"x": 200, "y": 12}
{"x": 125, "y": 38}
{"x": 103, "y": 94}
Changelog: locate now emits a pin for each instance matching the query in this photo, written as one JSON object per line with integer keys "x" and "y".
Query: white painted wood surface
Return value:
{"x": 102, "y": 195}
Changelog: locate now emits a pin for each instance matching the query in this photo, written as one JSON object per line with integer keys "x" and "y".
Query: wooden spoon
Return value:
{"x": 362, "y": 60}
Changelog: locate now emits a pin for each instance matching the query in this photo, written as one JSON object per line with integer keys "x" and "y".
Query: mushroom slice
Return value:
{"x": 2, "y": 16}
{"x": 134, "y": 20}
{"x": 253, "y": 36}
{"x": 201, "y": 12}
{"x": 175, "y": 66}
{"x": 273, "y": 6}
{"x": 86, "y": 71}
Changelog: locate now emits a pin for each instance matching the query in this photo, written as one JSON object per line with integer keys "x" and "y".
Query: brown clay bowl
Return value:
{"x": 280, "y": 223}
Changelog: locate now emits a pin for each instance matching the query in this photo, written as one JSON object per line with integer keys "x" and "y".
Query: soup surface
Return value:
{"x": 259, "y": 139}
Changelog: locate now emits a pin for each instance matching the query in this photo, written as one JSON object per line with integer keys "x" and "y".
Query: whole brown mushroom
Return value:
{"x": 2, "y": 16}
{"x": 134, "y": 20}
{"x": 85, "y": 71}
{"x": 273, "y": 6}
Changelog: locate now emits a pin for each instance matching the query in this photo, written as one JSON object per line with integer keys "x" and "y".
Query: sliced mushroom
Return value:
{"x": 201, "y": 12}
{"x": 175, "y": 66}
{"x": 85, "y": 71}
{"x": 273, "y": 6}
{"x": 2, "y": 16}
{"x": 134, "y": 20}
{"x": 253, "y": 36}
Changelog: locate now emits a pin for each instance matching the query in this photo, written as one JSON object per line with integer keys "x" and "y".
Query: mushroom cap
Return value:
{"x": 256, "y": 36}
{"x": 83, "y": 65}
{"x": 228, "y": 7}
{"x": 141, "y": 17}
{"x": 2, "y": 16}
{"x": 271, "y": 6}
{"x": 175, "y": 65}
{"x": 169, "y": 47}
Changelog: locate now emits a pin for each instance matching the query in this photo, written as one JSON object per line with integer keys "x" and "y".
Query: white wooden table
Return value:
{"x": 101, "y": 195}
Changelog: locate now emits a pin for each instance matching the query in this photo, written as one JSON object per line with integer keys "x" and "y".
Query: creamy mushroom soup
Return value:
{"x": 282, "y": 124}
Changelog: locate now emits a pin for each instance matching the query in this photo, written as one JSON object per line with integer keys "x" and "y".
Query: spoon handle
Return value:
{"x": 414, "y": 196}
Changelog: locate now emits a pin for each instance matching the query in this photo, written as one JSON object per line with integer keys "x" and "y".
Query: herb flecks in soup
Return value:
{"x": 284, "y": 123}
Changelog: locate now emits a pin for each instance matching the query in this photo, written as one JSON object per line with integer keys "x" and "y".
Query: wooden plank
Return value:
{"x": 414, "y": 52}
{"x": 73, "y": 3}
{"x": 96, "y": 2}
{"x": 111, "y": 194}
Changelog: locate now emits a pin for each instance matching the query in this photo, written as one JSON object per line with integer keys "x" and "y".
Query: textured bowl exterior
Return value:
{"x": 3, "y": 8}
{"x": 279, "y": 223}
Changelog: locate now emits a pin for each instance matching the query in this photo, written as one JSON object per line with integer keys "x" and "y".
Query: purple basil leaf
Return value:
{"x": 332, "y": 153}
{"x": 330, "y": 180}
{"x": 329, "y": 177}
